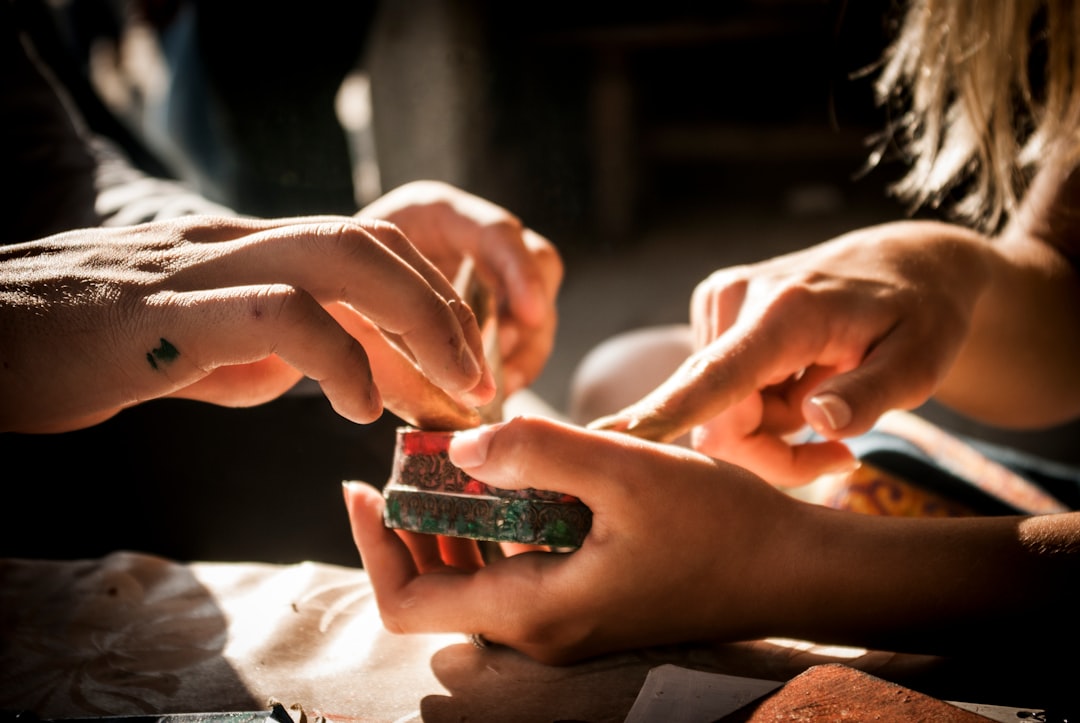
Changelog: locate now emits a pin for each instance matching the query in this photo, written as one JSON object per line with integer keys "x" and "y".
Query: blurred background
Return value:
{"x": 651, "y": 144}
{"x": 669, "y": 139}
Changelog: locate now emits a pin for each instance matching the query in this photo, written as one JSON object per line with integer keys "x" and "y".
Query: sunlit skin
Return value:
{"x": 882, "y": 318}
{"x": 684, "y": 547}
{"x": 235, "y": 311}
{"x": 687, "y": 547}
{"x": 522, "y": 267}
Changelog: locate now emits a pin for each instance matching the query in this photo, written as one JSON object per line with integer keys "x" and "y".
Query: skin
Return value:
{"x": 234, "y": 311}
{"x": 831, "y": 337}
{"x": 522, "y": 267}
{"x": 748, "y": 561}
{"x": 882, "y": 318}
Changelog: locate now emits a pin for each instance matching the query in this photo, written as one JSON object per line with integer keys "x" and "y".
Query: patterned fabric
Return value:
{"x": 911, "y": 467}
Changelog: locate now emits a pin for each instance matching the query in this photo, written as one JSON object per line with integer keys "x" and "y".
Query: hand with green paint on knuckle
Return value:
{"x": 522, "y": 267}
{"x": 830, "y": 337}
{"x": 685, "y": 548}
{"x": 229, "y": 311}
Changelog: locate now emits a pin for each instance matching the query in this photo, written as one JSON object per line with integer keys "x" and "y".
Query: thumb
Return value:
{"x": 828, "y": 413}
{"x": 850, "y": 403}
{"x": 541, "y": 453}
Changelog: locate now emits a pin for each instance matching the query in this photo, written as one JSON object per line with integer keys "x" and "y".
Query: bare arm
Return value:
{"x": 719, "y": 554}
{"x": 226, "y": 310}
{"x": 832, "y": 336}
{"x": 881, "y": 318}
{"x": 1018, "y": 365}
{"x": 935, "y": 585}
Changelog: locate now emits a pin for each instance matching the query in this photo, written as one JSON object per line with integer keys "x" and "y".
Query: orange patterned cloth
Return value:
{"x": 875, "y": 491}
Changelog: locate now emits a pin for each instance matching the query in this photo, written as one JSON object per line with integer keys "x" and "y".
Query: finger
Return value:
{"x": 424, "y": 549}
{"x": 410, "y": 602}
{"x": 527, "y": 267}
{"x": 404, "y": 388}
{"x": 520, "y": 263}
{"x": 509, "y": 549}
{"x": 460, "y": 553}
{"x": 352, "y": 262}
{"x": 781, "y": 405}
{"x": 244, "y": 385}
{"x": 772, "y": 458}
{"x": 396, "y": 242}
{"x": 510, "y": 250}
{"x": 712, "y": 379}
{"x": 235, "y": 229}
{"x": 527, "y": 333}
{"x": 429, "y": 553}
{"x": 525, "y": 353}
{"x": 387, "y": 558}
{"x": 850, "y": 403}
{"x": 194, "y": 333}
{"x": 518, "y": 453}
{"x": 715, "y": 305}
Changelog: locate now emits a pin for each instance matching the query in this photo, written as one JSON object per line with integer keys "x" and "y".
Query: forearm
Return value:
{"x": 1018, "y": 365}
{"x": 935, "y": 585}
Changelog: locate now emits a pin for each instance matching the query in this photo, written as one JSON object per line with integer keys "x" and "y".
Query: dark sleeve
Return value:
{"x": 60, "y": 173}
{"x": 48, "y": 168}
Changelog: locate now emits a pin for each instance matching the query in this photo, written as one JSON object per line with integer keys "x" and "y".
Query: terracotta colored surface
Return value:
{"x": 835, "y": 692}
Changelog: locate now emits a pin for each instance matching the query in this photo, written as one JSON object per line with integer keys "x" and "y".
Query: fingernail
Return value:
{"x": 470, "y": 447}
{"x": 836, "y": 412}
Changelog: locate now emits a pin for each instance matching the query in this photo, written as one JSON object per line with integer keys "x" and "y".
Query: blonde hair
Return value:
{"x": 988, "y": 90}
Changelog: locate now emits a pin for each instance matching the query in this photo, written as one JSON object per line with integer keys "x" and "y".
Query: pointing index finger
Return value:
{"x": 712, "y": 379}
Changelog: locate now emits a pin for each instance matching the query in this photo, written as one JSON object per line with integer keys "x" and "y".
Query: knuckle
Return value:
{"x": 387, "y": 233}
{"x": 705, "y": 372}
{"x": 520, "y": 432}
{"x": 718, "y": 280}
{"x": 392, "y": 621}
{"x": 342, "y": 236}
{"x": 278, "y": 302}
{"x": 399, "y": 612}
{"x": 555, "y": 641}
{"x": 518, "y": 443}
{"x": 355, "y": 241}
{"x": 430, "y": 189}
{"x": 726, "y": 287}
{"x": 796, "y": 293}
{"x": 546, "y": 255}
{"x": 506, "y": 225}
{"x": 332, "y": 238}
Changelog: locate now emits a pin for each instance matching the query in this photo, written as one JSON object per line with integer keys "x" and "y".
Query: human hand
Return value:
{"x": 830, "y": 337}
{"x": 230, "y": 311}
{"x": 521, "y": 266}
{"x": 681, "y": 547}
